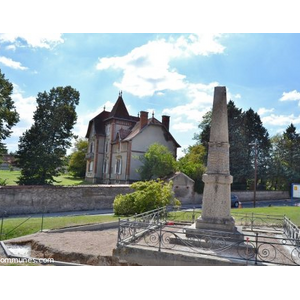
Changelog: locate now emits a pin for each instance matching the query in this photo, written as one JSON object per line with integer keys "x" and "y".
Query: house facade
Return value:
{"x": 117, "y": 139}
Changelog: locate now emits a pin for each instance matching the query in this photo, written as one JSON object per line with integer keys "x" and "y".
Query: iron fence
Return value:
{"x": 265, "y": 239}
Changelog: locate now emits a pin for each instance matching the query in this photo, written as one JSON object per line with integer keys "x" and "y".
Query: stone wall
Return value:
{"x": 245, "y": 196}
{"x": 37, "y": 199}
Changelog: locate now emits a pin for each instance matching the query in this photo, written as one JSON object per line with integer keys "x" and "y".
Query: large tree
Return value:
{"x": 77, "y": 163}
{"x": 43, "y": 147}
{"x": 244, "y": 128}
{"x": 157, "y": 162}
{"x": 192, "y": 164}
{"x": 8, "y": 114}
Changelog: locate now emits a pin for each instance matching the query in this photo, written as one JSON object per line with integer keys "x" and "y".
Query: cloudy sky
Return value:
{"x": 171, "y": 74}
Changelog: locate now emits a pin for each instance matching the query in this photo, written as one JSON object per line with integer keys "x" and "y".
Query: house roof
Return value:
{"x": 98, "y": 123}
{"x": 152, "y": 121}
{"x": 119, "y": 111}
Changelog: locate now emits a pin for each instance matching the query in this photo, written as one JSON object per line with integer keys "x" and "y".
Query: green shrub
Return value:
{"x": 148, "y": 195}
{"x": 124, "y": 204}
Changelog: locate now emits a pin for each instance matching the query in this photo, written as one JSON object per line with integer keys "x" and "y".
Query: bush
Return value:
{"x": 148, "y": 195}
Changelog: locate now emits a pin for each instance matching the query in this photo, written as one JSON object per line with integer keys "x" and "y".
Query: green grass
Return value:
{"x": 65, "y": 179}
{"x": 34, "y": 225}
{"x": 291, "y": 212}
{"x": 10, "y": 176}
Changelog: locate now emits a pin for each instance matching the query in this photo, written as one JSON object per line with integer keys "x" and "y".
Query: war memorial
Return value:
{"x": 215, "y": 237}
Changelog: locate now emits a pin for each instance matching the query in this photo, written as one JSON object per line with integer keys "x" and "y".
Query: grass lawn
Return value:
{"x": 291, "y": 212}
{"x": 34, "y": 224}
{"x": 65, "y": 179}
{"x": 15, "y": 227}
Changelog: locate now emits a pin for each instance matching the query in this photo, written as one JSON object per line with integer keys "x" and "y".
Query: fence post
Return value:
{"x": 119, "y": 233}
{"x": 42, "y": 225}
{"x": 159, "y": 237}
{"x": 1, "y": 229}
{"x": 256, "y": 247}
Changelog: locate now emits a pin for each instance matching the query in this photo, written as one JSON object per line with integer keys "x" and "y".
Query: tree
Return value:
{"x": 256, "y": 132}
{"x": 290, "y": 155}
{"x": 43, "y": 147}
{"x": 277, "y": 179}
{"x": 193, "y": 165}
{"x": 8, "y": 114}
{"x": 244, "y": 128}
{"x": 158, "y": 162}
{"x": 77, "y": 162}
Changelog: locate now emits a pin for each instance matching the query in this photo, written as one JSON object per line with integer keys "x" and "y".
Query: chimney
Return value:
{"x": 166, "y": 122}
{"x": 143, "y": 119}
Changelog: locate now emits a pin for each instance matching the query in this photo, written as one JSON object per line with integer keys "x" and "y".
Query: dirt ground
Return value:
{"x": 82, "y": 247}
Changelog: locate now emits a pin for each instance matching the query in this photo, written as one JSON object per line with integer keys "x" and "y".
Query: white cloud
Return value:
{"x": 146, "y": 69}
{"x": 11, "y": 47}
{"x": 201, "y": 98}
{"x": 184, "y": 127}
{"x": 262, "y": 111}
{"x": 281, "y": 120}
{"x": 290, "y": 96}
{"x": 25, "y": 106}
{"x": 11, "y": 63}
{"x": 40, "y": 40}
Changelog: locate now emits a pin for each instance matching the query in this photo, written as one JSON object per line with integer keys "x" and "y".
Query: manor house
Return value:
{"x": 117, "y": 139}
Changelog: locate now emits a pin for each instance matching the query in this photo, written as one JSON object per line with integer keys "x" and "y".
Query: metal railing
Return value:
{"x": 253, "y": 221}
{"x": 266, "y": 239}
{"x": 291, "y": 231}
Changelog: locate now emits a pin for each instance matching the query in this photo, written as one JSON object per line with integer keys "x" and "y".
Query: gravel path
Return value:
{"x": 85, "y": 247}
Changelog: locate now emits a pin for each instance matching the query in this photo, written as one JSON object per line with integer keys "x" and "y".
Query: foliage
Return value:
{"x": 3, "y": 182}
{"x": 8, "y": 114}
{"x": 192, "y": 164}
{"x": 42, "y": 148}
{"x": 77, "y": 162}
{"x": 244, "y": 128}
{"x": 284, "y": 167}
{"x": 158, "y": 162}
{"x": 148, "y": 195}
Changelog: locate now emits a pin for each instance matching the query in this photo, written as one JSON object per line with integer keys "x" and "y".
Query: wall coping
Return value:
{"x": 64, "y": 186}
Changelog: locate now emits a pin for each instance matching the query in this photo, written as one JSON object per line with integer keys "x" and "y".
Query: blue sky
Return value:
{"x": 171, "y": 74}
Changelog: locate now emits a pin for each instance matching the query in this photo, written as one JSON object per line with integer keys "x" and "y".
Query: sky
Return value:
{"x": 168, "y": 74}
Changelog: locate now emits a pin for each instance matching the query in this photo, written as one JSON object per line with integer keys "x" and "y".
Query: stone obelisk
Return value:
{"x": 216, "y": 202}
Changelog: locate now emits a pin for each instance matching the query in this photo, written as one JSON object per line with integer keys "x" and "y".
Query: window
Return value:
{"x": 92, "y": 147}
{"x": 119, "y": 165}
{"x": 91, "y": 166}
{"x": 105, "y": 167}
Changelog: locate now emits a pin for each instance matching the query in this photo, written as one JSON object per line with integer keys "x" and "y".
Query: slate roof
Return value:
{"x": 119, "y": 111}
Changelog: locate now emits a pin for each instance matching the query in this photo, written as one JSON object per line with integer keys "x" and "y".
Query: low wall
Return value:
{"x": 245, "y": 196}
{"x": 38, "y": 199}
{"x": 262, "y": 195}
